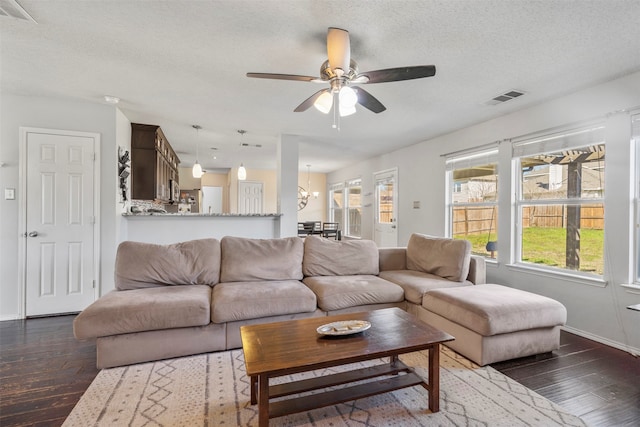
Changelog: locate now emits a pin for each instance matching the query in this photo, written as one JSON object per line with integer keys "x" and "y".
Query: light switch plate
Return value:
{"x": 9, "y": 193}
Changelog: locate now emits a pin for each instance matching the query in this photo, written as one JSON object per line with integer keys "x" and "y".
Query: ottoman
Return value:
{"x": 493, "y": 323}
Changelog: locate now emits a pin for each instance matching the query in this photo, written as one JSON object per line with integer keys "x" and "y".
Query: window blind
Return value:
{"x": 470, "y": 160}
{"x": 560, "y": 141}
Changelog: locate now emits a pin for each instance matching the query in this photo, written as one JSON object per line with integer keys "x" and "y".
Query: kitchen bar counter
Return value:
{"x": 166, "y": 228}
{"x": 195, "y": 215}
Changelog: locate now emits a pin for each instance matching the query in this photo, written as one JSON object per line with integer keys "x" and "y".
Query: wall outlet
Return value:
{"x": 416, "y": 204}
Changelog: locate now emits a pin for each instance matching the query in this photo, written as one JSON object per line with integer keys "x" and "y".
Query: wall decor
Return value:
{"x": 123, "y": 172}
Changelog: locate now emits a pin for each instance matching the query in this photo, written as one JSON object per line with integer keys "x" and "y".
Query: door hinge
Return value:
{"x": 93, "y": 284}
{"x": 94, "y": 156}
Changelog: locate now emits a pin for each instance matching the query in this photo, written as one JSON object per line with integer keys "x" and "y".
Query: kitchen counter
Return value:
{"x": 195, "y": 215}
{"x": 166, "y": 228}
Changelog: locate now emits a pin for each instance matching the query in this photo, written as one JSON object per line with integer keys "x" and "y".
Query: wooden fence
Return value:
{"x": 484, "y": 219}
{"x": 555, "y": 216}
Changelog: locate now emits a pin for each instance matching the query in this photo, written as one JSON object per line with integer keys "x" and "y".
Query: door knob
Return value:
{"x": 33, "y": 234}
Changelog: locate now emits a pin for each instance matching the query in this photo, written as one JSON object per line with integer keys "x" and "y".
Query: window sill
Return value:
{"x": 581, "y": 279}
{"x": 491, "y": 262}
{"x": 632, "y": 288}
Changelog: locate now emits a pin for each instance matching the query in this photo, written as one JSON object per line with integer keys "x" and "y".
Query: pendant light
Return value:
{"x": 306, "y": 194}
{"x": 242, "y": 172}
{"x": 197, "y": 169}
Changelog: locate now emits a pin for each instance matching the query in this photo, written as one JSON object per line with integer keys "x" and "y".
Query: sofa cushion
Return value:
{"x": 145, "y": 265}
{"x": 417, "y": 283}
{"x": 338, "y": 292}
{"x": 328, "y": 257}
{"x": 392, "y": 258}
{"x": 246, "y": 260}
{"x": 250, "y": 300}
{"x": 494, "y": 309}
{"x": 448, "y": 258}
{"x": 138, "y": 310}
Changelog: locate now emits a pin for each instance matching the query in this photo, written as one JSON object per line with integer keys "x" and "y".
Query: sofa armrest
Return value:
{"x": 392, "y": 258}
{"x": 477, "y": 270}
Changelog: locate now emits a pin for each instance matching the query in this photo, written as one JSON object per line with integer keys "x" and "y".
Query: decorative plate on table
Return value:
{"x": 346, "y": 327}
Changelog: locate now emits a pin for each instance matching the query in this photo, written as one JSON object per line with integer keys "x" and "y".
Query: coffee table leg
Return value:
{"x": 393, "y": 359}
{"x": 434, "y": 378}
{"x": 254, "y": 389}
{"x": 263, "y": 401}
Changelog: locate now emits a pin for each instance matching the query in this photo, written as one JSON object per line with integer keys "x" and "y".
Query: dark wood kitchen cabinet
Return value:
{"x": 154, "y": 164}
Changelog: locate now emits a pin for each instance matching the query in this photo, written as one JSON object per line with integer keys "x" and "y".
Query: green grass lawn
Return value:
{"x": 547, "y": 246}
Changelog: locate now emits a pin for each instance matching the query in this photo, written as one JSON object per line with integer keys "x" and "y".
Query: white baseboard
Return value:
{"x": 4, "y": 317}
{"x": 620, "y": 346}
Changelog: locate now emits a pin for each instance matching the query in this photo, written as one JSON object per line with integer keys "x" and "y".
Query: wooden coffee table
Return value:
{"x": 284, "y": 348}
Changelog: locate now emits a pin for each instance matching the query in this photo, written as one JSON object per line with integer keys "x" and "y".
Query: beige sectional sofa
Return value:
{"x": 193, "y": 297}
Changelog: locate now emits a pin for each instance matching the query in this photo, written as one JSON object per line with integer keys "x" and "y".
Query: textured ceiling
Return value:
{"x": 178, "y": 63}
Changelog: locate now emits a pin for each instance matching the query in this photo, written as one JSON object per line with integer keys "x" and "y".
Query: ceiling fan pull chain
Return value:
{"x": 336, "y": 113}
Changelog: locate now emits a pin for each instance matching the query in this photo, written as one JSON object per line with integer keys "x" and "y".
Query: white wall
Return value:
{"x": 50, "y": 113}
{"x": 595, "y": 310}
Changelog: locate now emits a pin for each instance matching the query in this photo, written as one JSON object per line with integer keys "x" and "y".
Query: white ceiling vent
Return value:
{"x": 244, "y": 144}
{"x": 507, "y": 96}
{"x": 11, "y": 9}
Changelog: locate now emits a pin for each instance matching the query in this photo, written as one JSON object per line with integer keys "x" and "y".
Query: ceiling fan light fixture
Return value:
{"x": 347, "y": 111}
{"x": 348, "y": 98}
{"x": 324, "y": 103}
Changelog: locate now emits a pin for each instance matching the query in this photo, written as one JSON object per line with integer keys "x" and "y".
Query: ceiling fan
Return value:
{"x": 341, "y": 72}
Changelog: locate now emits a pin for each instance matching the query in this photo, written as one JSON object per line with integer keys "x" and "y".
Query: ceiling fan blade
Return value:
{"x": 307, "y": 103}
{"x": 369, "y": 101}
{"x": 338, "y": 50}
{"x": 396, "y": 74}
{"x": 282, "y": 77}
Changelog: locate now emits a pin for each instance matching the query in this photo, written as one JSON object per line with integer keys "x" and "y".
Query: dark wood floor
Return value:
{"x": 596, "y": 382}
{"x": 44, "y": 371}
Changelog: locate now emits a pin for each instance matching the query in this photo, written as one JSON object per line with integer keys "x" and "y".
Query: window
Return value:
{"x": 635, "y": 136}
{"x": 336, "y": 204}
{"x": 560, "y": 200}
{"x": 472, "y": 180}
{"x": 354, "y": 208}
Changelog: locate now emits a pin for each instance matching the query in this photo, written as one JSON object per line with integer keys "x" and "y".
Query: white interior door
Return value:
{"x": 386, "y": 203}
{"x": 59, "y": 211}
{"x": 249, "y": 197}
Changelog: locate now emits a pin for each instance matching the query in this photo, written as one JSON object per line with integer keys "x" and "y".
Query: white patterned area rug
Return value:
{"x": 212, "y": 390}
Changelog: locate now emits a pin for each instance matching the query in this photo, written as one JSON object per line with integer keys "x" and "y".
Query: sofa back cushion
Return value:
{"x": 246, "y": 260}
{"x": 447, "y": 258}
{"x": 146, "y": 265}
{"x": 327, "y": 257}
